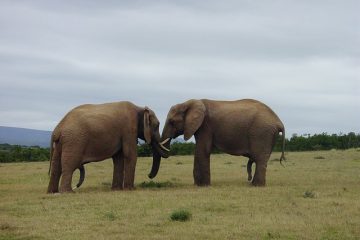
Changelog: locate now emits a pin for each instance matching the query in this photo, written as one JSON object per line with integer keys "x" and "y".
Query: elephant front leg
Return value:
{"x": 118, "y": 175}
{"x": 202, "y": 164}
{"x": 129, "y": 160}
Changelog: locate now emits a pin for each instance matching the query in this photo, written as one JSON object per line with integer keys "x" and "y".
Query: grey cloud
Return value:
{"x": 299, "y": 57}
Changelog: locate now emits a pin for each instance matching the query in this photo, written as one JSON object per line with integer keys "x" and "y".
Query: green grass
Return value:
{"x": 229, "y": 209}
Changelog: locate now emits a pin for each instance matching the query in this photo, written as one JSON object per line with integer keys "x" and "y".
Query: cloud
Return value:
{"x": 299, "y": 57}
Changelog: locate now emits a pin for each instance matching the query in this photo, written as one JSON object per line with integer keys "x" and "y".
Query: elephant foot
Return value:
{"x": 129, "y": 186}
{"x": 258, "y": 183}
{"x": 202, "y": 183}
{"x": 52, "y": 192}
{"x": 67, "y": 191}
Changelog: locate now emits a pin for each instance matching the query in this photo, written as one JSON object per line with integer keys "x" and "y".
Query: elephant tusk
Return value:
{"x": 164, "y": 148}
{"x": 165, "y": 141}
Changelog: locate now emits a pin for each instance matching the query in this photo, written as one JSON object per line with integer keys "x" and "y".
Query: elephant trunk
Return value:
{"x": 160, "y": 149}
{"x": 155, "y": 165}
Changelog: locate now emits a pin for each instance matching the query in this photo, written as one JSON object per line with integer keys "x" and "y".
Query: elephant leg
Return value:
{"x": 118, "y": 175}
{"x": 129, "y": 158}
{"x": 202, "y": 162}
{"x": 55, "y": 172}
{"x": 249, "y": 168}
{"x": 260, "y": 170}
{"x": 66, "y": 179}
{"x": 68, "y": 165}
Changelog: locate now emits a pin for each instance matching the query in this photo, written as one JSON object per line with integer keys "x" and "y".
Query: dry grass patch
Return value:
{"x": 229, "y": 209}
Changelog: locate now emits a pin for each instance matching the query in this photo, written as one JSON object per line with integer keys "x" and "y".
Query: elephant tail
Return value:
{"x": 51, "y": 152}
{"x": 282, "y": 130}
{"x": 82, "y": 176}
{"x": 52, "y": 142}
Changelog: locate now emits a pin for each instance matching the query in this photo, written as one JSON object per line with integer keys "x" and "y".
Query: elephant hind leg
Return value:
{"x": 260, "y": 170}
{"x": 69, "y": 163}
{"x": 118, "y": 175}
{"x": 55, "y": 171}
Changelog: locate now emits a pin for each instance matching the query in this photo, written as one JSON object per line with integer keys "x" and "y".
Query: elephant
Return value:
{"x": 244, "y": 127}
{"x": 95, "y": 132}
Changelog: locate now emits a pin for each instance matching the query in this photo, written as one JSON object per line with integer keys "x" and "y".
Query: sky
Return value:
{"x": 301, "y": 58}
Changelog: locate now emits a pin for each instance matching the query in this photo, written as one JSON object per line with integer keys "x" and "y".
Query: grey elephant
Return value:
{"x": 244, "y": 128}
{"x": 94, "y": 132}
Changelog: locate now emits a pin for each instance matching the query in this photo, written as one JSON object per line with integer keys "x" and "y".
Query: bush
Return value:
{"x": 181, "y": 215}
{"x": 16, "y": 153}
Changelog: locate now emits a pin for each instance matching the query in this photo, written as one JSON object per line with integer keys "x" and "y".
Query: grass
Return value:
{"x": 228, "y": 209}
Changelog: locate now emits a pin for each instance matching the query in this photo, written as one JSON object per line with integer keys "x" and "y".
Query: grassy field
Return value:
{"x": 316, "y": 196}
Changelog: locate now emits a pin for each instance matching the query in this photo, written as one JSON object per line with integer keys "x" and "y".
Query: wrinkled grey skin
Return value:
{"x": 95, "y": 132}
{"x": 244, "y": 128}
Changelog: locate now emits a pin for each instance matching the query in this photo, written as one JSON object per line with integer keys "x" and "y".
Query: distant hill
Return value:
{"x": 24, "y": 136}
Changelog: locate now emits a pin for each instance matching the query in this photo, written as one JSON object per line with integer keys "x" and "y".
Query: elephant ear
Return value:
{"x": 147, "y": 128}
{"x": 194, "y": 117}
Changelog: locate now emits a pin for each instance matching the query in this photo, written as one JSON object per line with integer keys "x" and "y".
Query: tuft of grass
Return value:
{"x": 152, "y": 184}
{"x": 319, "y": 157}
{"x": 309, "y": 194}
{"x": 110, "y": 216}
{"x": 179, "y": 163}
{"x": 270, "y": 235}
{"x": 181, "y": 215}
{"x": 228, "y": 163}
{"x": 6, "y": 226}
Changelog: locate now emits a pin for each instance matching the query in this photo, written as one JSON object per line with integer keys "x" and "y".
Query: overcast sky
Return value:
{"x": 302, "y": 58}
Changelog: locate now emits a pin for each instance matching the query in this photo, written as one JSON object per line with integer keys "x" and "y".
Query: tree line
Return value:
{"x": 305, "y": 142}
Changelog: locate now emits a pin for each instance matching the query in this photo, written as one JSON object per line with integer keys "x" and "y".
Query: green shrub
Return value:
{"x": 181, "y": 215}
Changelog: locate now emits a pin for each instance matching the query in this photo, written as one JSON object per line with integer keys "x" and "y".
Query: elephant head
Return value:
{"x": 150, "y": 133}
{"x": 182, "y": 119}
